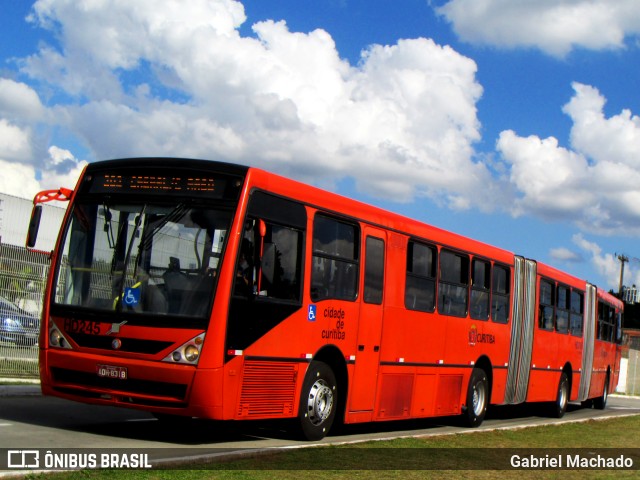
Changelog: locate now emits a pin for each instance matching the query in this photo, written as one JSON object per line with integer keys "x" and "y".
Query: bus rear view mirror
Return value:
{"x": 34, "y": 226}
{"x": 62, "y": 195}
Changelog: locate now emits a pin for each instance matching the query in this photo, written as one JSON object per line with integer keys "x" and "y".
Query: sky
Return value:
{"x": 514, "y": 122}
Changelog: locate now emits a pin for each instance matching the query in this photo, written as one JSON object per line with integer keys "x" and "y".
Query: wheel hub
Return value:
{"x": 320, "y": 402}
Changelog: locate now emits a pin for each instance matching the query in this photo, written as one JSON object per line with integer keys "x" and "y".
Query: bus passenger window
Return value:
{"x": 244, "y": 279}
{"x": 270, "y": 262}
{"x": 374, "y": 270}
{"x": 576, "y": 315}
{"x": 606, "y": 322}
{"x": 420, "y": 287}
{"x": 612, "y": 324}
{"x": 500, "y": 287}
{"x": 619, "y": 327}
{"x": 454, "y": 282}
{"x": 480, "y": 283}
{"x": 601, "y": 323}
{"x": 335, "y": 259}
{"x": 562, "y": 310}
{"x": 546, "y": 307}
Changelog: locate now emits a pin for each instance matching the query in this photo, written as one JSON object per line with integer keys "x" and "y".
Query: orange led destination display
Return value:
{"x": 204, "y": 185}
{"x": 154, "y": 183}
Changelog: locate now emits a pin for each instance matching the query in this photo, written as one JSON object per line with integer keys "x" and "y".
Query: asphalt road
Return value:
{"x": 28, "y": 421}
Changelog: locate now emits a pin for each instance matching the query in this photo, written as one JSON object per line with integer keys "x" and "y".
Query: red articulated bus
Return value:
{"x": 205, "y": 289}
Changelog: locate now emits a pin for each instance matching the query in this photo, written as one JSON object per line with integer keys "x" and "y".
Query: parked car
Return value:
{"x": 16, "y": 325}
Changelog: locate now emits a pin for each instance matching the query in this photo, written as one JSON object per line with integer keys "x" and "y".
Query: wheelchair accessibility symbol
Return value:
{"x": 131, "y": 296}
{"x": 312, "y": 313}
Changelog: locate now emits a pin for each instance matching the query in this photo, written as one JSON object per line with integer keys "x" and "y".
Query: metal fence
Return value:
{"x": 22, "y": 279}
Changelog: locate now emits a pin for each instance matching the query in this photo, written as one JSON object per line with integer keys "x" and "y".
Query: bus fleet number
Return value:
{"x": 82, "y": 326}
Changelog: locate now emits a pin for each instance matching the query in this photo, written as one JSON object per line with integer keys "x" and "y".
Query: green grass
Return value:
{"x": 403, "y": 458}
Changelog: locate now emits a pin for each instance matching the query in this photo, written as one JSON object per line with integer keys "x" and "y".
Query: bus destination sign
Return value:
{"x": 208, "y": 185}
{"x": 157, "y": 183}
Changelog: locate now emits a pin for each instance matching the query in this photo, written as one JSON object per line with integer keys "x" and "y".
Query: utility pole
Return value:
{"x": 623, "y": 259}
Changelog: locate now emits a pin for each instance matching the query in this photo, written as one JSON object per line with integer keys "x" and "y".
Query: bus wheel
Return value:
{"x": 601, "y": 402}
{"x": 318, "y": 401}
{"x": 477, "y": 398}
{"x": 559, "y": 407}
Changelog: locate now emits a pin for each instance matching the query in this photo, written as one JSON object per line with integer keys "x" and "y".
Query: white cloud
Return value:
{"x": 61, "y": 169}
{"x": 555, "y": 27}
{"x": 18, "y": 179}
{"x": 19, "y": 101}
{"x": 548, "y": 177}
{"x": 563, "y": 254}
{"x": 607, "y": 265}
{"x": 156, "y": 77}
{"x": 23, "y": 177}
{"x": 15, "y": 142}
{"x": 595, "y": 185}
{"x": 615, "y": 139}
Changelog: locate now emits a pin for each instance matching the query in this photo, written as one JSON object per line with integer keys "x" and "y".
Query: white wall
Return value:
{"x": 15, "y": 214}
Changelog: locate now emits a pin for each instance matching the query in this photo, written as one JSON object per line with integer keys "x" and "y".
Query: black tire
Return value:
{"x": 601, "y": 402}
{"x": 587, "y": 404}
{"x": 318, "y": 401}
{"x": 477, "y": 398}
{"x": 559, "y": 407}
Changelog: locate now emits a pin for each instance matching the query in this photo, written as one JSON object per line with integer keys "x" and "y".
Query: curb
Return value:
{"x": 19, "y": 390}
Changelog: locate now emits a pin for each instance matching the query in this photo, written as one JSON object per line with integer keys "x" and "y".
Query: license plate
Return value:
{"x": 110, "y": 371}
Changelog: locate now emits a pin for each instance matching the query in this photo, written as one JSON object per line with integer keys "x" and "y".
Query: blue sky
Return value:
{"x": 513, "y": 122}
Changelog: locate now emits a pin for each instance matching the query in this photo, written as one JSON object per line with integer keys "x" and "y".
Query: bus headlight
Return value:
{"x": 191, "y": 353}
{"x": 56, "y": 338}
{"x": 188, "y": 353}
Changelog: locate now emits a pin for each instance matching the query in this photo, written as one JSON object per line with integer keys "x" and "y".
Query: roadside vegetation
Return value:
{"x": 462, "y": 455}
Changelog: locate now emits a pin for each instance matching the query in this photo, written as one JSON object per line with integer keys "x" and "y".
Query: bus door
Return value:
{"x": 589, "y": 330}
{"x": 523, "y": 309}
{"x": 363, "y": 385}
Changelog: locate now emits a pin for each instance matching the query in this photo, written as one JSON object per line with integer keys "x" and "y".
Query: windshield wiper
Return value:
{"x": 173, "y": 215}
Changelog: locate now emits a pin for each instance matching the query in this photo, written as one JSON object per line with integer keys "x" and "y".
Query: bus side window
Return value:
{"x": 454, "y": 283}
{"x": 562, "y": 309}
{"x": 577, "y": 313}
{"x": 420, "y": 286}
{"x": 500, "y": 294}
{"x": 335, "y": 259}
{"x": 480, "y": 285}
{"x": 601, "y": 324}
{"x": 280, "y": 264}
{"x": 270, "y": 261}
{"x": 612, "y": 324}
{"x": 606, "y": 322}
{"x": 619, "y": 327}
{"x": 546, "y": 307}
{"x": 374, "y": 270}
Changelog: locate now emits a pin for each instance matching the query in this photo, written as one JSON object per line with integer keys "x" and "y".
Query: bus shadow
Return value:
{"x": 134, "y": 425}
{"x": 413, "y": 427}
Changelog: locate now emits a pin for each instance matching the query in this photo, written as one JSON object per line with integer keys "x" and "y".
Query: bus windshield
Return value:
{"x": 143, "y": 257}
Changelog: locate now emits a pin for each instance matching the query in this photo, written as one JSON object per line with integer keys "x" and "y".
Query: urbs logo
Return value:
{"x": 475, "y": 337}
